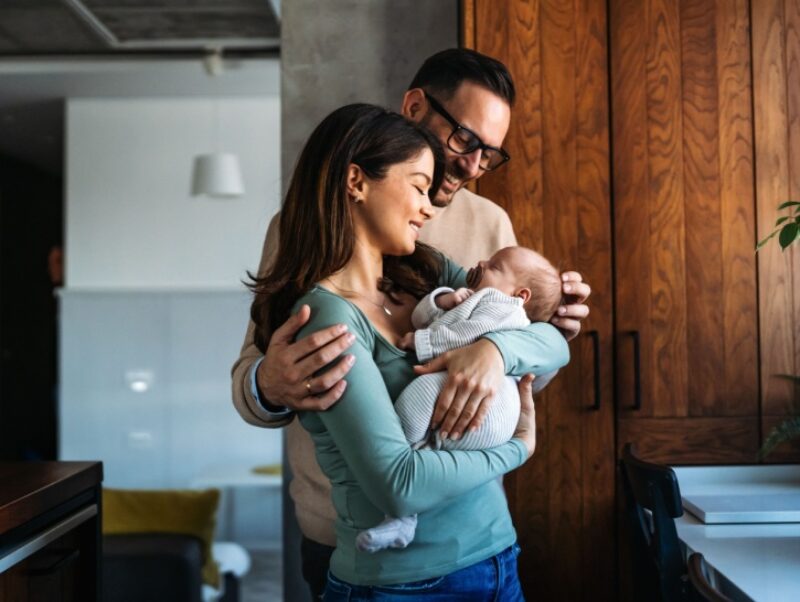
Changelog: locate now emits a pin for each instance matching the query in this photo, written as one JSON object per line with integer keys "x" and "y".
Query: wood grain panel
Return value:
{"x": 792, "y": 20}
{"x": 523, "y": 181}
{"x": 628, "y": 19}
{"x": 772, "y": 187}
{"x": 739, "y": 296}
{"x": 594, "y": 259}
{"x": 493, "y": 37}
{"x": 466, "y": 23}
{"x": 556, "y": 191}
{"x": 701, "y": 181}
{"x": 668, "y": 395}
{"x": 559, "y": 168}
{"x": 691, "y": 440}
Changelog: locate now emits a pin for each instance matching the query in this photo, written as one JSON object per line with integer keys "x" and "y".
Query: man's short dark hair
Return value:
{"x": 445, "y": 71}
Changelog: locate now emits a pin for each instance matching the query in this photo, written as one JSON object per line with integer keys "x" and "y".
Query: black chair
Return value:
{"x": 697, "y": 576}
{"x": 158, "y": 567}
{"x": 653, "y": 501}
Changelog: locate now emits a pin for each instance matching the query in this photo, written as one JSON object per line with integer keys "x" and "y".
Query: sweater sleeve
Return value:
{"x": 244, "y": 399}
{"x": 367, "y": 434}
{"x": 486, "y": 311}
{"x": 536, "y": 349}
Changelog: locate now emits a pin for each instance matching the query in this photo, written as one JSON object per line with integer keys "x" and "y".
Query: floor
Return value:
{"x": 264, "y": 582}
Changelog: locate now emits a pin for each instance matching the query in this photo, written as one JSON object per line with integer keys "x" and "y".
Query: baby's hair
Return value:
{"x": 545, "y": 284}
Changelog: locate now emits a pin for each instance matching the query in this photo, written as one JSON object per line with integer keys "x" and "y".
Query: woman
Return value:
{"x": 348, "y": 249}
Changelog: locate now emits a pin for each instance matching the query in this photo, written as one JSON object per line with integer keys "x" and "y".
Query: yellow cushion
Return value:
{"x": 269, "y": 469}
{"x": 188, "y": 512}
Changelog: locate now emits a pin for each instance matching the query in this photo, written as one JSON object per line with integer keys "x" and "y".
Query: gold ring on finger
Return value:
{"x": 308, "y": 385}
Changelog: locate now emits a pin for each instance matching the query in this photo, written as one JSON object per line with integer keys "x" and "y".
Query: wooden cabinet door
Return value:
{"x": 776, "y": 93}
{"x": 556, "y": 190}
{"x": 684, "y": 230}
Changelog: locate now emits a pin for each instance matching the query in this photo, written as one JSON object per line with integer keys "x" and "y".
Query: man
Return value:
{"x": 465, "y": 99}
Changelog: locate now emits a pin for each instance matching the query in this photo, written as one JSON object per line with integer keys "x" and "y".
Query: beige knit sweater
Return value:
{"x": 471, "y": 228}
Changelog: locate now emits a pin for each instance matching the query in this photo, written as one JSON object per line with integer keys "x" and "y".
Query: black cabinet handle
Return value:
{"x": 637, "y": 375}
{"x": 595, "y": 336}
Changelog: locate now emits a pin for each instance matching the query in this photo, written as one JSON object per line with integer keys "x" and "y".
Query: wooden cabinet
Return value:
{"x": 556, "y": 190}
{"x": 684, "y": 230}
{"x": 775, "y": 28}
{"x": 50, "y": 531}
{"x": 649, "y": 152}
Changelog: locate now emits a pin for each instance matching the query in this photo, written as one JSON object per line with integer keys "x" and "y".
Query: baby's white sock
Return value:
{"x": 391, "y": 533}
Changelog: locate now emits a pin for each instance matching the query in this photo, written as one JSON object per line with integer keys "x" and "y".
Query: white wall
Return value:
{"x": 153, "y": 285}
{"x": 130, "y": 219}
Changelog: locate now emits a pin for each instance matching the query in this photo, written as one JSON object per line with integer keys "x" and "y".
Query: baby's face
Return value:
{"x": 503, "y": 270}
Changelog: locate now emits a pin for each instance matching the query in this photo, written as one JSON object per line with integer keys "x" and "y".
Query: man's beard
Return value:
{"x": 456, "y": 171}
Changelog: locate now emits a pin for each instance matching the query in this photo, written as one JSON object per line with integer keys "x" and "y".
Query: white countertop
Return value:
{"x": 236, "y": 477}
{"x": 758, "y": 562}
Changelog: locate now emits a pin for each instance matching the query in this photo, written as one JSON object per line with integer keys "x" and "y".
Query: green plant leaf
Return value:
{"x": 788, "y": 234}
{"x": 786, "y": 431}
{"x": 788, "y": 204}
{"x": 780, "y": 220}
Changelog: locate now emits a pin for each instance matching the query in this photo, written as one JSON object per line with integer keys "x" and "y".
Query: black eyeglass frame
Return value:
{"x": 437, "y": 106}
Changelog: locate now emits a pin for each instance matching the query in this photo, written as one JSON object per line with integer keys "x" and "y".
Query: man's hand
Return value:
{"x": 526, "y": 427}
{"x": 450, "y": 300}
{"x": 568, "y": 317}
{"x": 286, "y": 376}
{"x": 474, "y": 374}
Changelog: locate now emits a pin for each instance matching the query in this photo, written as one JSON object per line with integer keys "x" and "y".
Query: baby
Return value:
{"x": 513, "y": 288}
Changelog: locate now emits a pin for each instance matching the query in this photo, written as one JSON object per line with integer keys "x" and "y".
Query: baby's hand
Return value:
{"x": 407, "y": 342}
{"x": 450, "y": 300}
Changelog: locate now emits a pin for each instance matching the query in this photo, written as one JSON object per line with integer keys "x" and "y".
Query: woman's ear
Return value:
{"x": 415, "y": 106}
{"x": 524, "y": 294}
{"x": 356, "y": 184}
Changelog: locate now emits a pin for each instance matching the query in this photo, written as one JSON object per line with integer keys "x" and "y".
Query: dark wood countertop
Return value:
{"x": 27, "y": 489}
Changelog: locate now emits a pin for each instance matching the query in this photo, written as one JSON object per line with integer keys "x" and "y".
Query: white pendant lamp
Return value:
{"x": 218, "y": 174}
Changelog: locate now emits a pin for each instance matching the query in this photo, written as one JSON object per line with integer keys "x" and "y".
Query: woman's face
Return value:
{"x": 395, "y": 207}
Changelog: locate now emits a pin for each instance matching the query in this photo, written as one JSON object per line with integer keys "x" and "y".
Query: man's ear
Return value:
{"x": 415, "y": 106}
{"x": 356, "y": 183}
{"x": 524, "y": 294}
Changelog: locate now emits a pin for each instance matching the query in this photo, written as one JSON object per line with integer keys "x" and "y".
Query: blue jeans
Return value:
{"x": 492, "y": 580}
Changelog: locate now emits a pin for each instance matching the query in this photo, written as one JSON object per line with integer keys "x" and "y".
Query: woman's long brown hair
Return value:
{"x": 317, "y": 236}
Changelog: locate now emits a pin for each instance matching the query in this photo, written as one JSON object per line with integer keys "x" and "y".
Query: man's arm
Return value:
{"x": 267, "y": 388}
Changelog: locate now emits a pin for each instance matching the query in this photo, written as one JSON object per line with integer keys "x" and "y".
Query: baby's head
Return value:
{"x": 521, "y": 272}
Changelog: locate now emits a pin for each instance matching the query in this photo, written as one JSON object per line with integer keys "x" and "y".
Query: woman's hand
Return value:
{"x": 286, "y": 376}
{"x": 568, "y": 317}
{"x": 526, "y": 427}
{"x": 474, "y": 374}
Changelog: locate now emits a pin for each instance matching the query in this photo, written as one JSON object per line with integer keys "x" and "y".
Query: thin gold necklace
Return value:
{"x": 385, "y": 309}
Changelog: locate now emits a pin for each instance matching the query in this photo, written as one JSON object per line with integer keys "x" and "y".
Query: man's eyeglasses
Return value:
{"x": 464, "y": 141}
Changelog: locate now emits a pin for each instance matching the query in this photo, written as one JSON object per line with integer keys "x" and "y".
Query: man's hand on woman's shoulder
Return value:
{"x": 286, "y": 376}
{"x": 568, "y": 317}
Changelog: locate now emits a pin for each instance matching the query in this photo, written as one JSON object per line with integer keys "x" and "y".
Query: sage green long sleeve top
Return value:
{"x": 361, "y": 448}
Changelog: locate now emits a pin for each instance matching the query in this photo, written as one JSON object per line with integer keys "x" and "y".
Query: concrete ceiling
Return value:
{"x": 47, "y": 27}
{"x": 54, "y": 49}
